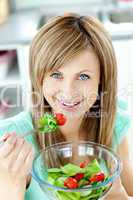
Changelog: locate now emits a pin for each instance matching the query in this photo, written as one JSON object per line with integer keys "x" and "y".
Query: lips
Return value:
{"x": 69, "y": 104}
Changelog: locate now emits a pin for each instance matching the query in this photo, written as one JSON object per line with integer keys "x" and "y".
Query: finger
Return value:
{"x": 28, "y": 162}
{"x": 4, "y": 137}
{"x": 117, "y": 190}
{"x": 115, "y": 184}
{"x": 8, "y": 145}
{"x": 19, "y": 162}
{"x": 17, "y": 149}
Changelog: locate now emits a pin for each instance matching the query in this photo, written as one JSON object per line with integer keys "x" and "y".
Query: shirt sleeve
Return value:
{"x": 20, "y": 124}
{"x": 122, "y": 123}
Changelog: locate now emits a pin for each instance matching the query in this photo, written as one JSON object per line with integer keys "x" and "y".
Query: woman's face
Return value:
{"x": 73, "y": 88}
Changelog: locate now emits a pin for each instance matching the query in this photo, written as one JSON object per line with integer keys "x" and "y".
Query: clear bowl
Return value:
{"x": 60, "y": 154}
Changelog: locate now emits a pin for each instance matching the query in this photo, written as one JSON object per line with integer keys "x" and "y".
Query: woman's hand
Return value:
{"x": 16, "y": 157}
{"x": 117, "y": 192}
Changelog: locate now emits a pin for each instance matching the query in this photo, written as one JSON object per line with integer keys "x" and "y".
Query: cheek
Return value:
{"x": 90, "y": 90}
{"x": 91, "y": 94}
{"x": 49, "y": 89}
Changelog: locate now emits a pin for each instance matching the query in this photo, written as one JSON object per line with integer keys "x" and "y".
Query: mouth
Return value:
{"x": 69, "y": 105}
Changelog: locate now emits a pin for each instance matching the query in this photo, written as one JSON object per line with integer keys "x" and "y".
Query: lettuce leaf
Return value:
{"x": 59, "y": 182}
{"x": 70, "y": 169}
{"x": 53, "y": 170}
{"x": 91, "y": 169}
{"x": 69, "y": 195}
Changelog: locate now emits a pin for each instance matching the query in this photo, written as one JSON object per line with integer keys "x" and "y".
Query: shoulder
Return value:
{"x": 122, "y": 122}
{"x": 19, "y": 123}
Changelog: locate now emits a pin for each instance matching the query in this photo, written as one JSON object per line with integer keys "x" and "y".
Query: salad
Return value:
{"x": 72, "y": 176}
{"x": 49, "y": 123}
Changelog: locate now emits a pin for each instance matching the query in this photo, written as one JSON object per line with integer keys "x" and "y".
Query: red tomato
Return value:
{"x": 79, "y": 176}
{"x": 97, "y": 177}
{"x": 83, "y": 164}
{"x": 61, "y": 119}
{"x": 71, "y": 183}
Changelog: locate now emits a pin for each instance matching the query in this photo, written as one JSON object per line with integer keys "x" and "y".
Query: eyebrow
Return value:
{"x": 85, "y": 70}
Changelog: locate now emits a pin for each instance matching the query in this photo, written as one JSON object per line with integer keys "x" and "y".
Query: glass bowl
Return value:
{"x": 60, "y": 154}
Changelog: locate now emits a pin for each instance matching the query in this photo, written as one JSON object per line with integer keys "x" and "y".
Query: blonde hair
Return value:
{"x": 58, "y": 41}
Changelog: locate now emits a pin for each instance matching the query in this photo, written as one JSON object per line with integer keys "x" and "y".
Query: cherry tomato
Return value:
{"x": 61, "y": 119}
{"x": 83, "y": 164}
{"x": 79, "y": 176}
{"x": 97, "y": 177}
{"x": 71, "y": 183}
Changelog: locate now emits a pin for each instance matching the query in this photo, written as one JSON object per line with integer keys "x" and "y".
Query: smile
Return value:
{"x": 69, "y": 104}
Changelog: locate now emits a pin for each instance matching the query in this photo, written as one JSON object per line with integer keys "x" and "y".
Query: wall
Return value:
{"x": 19, "y": 4}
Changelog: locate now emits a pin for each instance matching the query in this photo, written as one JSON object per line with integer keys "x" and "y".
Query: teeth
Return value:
{"x": 69, "y": 104}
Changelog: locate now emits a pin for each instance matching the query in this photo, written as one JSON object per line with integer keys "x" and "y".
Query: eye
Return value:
{"x": 56, "y": 75}
{"x": 84, "y": 77}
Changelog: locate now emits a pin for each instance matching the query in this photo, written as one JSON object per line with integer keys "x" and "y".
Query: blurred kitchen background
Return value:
{"x": 19, "y": 22}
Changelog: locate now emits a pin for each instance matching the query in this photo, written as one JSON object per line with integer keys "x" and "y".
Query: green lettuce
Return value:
{"x": 57, "y": 176}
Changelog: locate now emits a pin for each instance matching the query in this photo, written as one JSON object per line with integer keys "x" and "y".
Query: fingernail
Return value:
{"x": 5, "y": 136}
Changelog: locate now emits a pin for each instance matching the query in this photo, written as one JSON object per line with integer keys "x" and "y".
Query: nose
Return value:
{"x": 68, "y": 89}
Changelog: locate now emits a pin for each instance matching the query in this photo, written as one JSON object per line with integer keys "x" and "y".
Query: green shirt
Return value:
{"x": 22, "y": 123}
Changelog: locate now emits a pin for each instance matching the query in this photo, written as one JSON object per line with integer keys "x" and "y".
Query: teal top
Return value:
{"x": 22, "y": 123}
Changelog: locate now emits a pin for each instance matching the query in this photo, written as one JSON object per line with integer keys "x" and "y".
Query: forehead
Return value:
{"x": 85, "y": 60}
